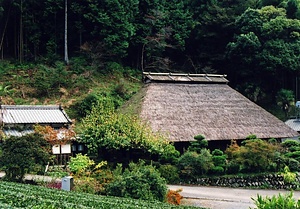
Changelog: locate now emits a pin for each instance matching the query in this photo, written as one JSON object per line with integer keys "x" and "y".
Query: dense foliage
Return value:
{"x": 21, "y": 155}
{"x": 248, "y": 40}
{"x": 138, "y": 181}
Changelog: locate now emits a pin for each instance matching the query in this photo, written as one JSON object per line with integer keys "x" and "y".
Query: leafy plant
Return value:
{"x": 288, "y": 177}
{"x": 281, "y": 201}
{"x": 82, "y": 165}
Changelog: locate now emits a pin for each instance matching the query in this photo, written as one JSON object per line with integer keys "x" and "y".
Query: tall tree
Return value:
{"x": 267, "y": 46}
{"x": 293, "y": 9}
{"x": 112, "y": 24}
{"x": 214, "y": 28}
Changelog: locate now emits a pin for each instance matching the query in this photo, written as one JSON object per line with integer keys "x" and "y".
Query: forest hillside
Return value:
{"x": 62, "y": 51}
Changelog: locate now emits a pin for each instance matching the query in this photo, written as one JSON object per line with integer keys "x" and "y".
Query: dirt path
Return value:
{"x": 224, "y": 198}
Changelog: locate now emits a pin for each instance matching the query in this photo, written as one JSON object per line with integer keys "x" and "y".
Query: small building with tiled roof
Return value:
{"x": 18, "y": 120}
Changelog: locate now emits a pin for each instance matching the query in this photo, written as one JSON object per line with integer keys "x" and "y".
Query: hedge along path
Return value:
{"x": 15, "y": 195}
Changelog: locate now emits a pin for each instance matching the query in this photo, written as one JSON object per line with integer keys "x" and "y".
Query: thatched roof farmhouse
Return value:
{"x": 186, "y": 105}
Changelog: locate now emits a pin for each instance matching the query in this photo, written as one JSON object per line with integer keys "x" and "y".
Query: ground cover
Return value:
{"x": 15, "y": 195}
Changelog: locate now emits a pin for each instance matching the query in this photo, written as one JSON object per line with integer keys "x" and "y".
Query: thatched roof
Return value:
{"x": 184, "y": 109}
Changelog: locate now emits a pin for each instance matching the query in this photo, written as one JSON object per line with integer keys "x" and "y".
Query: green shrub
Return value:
{"x": 281, "y": 201}
{"x": 21, "y": 155}
{"x": 294, "y": 148}
{"x": 219, "y": 161}
{"x": 79, "y": 164}
{"x": 290, "y": 143}
{"x": 295, "y": 155}
{"x": 199, "y": 143}
{"x": 139, "y": 181}
{"x": 88, "y": 185}
{"x": 193, "y": 164}
{"x": 293, "y": 164}
{"x": 218, "y": 170}
{"x": 255, "y": 155}
{"x": 217, "y": 152}
{"x": 218, "y": 157}
{"x": 232, "y": 167}
{"x": 170, "y": 173}
{"x": 288, "y": 176}
{"x": 112, "y": 132}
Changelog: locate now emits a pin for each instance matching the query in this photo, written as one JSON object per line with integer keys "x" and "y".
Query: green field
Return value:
{"x": 15, "y": 195}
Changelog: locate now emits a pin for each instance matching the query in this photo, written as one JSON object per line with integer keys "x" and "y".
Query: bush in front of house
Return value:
{"x": 254, "y": 155}
{"x": 192, "y": 164}
{"x": 219, "y": 160}
{"x": 293, "y": 164}
{"x": 138, "y": 181}
{"x": 170, "y": 173}
{"x": 21, "y": 155}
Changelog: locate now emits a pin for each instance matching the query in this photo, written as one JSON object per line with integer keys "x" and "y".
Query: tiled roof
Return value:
{"x": 33, "y": 114}
{"x": 184, "y": 78}
{"x": 294, "y": 124}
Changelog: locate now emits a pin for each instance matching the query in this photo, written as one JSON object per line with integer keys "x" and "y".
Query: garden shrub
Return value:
{"x": 281, "y": 201}
{"x": 79, "y": 164}
{"x": 88, "y": 185}
{"x": 295, "y": 155}
{"x": 192, "y": 164}
{"x": 219, "y": 160}
{"x": 170, "y": 173}
{"x": 293, "y": 164}
{"x": 138, "y": 181}
{"x": 290, "y": 143}
{"x": 232, "y": 167}
{"x": 218, "y": 170}
{"x": 255, "y": 155}
{"x": 199, "y": 143}
{"x": 83, "y": 166}
{"x": 85, "y": 106}
{"x": 288, "y": 176}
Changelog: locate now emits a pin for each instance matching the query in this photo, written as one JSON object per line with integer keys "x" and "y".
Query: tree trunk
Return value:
{"x": 66, "y": 33}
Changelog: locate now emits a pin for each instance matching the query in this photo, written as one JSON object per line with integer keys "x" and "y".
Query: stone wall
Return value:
{"x": 270, "y": 181}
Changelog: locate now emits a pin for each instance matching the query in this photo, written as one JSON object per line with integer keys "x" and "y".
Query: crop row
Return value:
{"x": 14, "y": 195}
